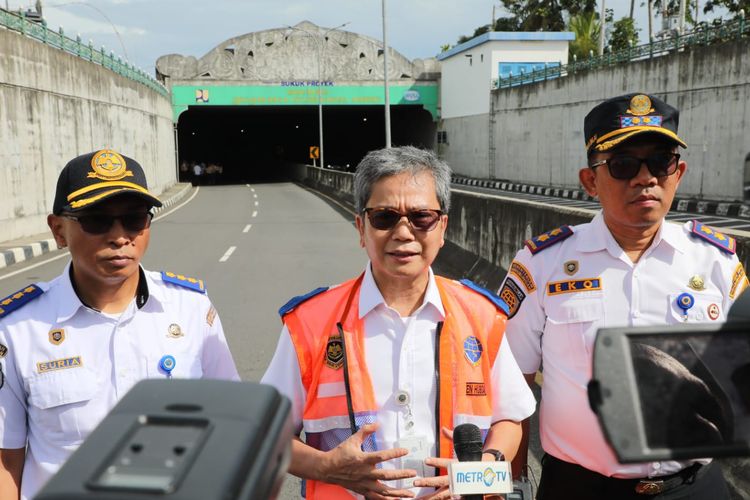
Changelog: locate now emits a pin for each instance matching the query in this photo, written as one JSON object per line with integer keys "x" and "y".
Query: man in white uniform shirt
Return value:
{"x": 381, "y": 368}
{"x": 627, "y": 267}
{"x": 71, "y": 348}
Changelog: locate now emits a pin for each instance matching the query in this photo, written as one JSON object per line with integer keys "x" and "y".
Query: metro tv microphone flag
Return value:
{"x": 470, "y": 477}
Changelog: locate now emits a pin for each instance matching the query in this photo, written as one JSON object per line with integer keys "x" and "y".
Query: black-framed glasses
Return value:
{"x": 387, "y": 218}
{"x": 134, "y": 222}
{"x": 625, "y": 167}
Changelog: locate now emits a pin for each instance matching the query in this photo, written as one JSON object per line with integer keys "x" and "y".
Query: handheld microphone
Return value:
{"x": 470, "y": 477}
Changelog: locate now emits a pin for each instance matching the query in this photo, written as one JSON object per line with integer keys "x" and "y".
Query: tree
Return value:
{"x": 477, "y": 32}
{"x": 546, "y": 15}
{"x": 623, "y": 34}
{"x": 586, "y": 28}
{"x": 671, "y": 8}
{"x": 733, "y": 6}
{"x": 535, "y": 15}
{"x": 507, "y": 24}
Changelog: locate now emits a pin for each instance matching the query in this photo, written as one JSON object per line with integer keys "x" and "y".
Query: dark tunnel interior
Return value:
{"x": 255, "y": 143}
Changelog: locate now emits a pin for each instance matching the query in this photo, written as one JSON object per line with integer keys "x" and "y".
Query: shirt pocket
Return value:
{"x": 570, "y": 331}
{"x": 707, "y": 308}
{"x": 58, "y": 404}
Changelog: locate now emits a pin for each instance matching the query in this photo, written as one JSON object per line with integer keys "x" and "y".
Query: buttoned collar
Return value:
{"x": 370, "y": 296}
{"x": 598, "y": 237}
{"x": 69, "y": 303}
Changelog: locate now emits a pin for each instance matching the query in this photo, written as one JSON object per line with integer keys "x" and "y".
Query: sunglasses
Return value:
{"x": 385, "y": 219}
{"x": 626, "y": 167}
{"x": 101, "y": 223}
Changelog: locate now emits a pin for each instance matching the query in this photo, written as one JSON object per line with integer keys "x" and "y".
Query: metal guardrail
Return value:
{"x": 701, "y": 36}
{"x": 58, "y": 39}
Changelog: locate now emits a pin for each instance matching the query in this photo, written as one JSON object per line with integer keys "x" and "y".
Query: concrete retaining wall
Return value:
{"x": 55, "y": 106}
{"x": 537, "y": 133}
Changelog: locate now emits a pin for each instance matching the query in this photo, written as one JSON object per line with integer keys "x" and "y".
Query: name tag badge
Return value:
{"x": 574, "y": 286}
{"x": 418, "y": 452}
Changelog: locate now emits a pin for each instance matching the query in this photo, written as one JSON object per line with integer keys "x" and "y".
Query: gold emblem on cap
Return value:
{"x": 697, "y": 283}
{"x": 109, "y": 165}
{"x": 640, "y": 105}
{"x": 174, "y": 331}
{"x": 570, "y": 267}
{"x": 56, "y": 336}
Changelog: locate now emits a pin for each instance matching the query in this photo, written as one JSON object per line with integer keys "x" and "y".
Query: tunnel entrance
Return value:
{"x": 256, "y": 143}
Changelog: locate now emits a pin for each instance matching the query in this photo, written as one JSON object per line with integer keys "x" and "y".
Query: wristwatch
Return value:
{"x": 499, "y": 457}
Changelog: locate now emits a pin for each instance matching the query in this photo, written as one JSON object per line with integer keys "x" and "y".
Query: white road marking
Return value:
{"x": 247, "y": 228}
{"x": 66, "y": 253}
{"x": 255, "y": 195}
{"x": 227, "y": 254}
{"x": 252, "y": 189}
{"x": 177, "y": 207}
{"x": 256, "y": 203}
{"x": 255, "y": 213}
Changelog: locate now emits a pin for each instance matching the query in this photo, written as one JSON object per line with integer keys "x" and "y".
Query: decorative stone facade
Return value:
{"x": 291, "y": 54}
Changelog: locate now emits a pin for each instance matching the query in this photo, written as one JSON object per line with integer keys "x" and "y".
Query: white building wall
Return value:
{"x": 467, "y": 77}
{"x": 466, "y": 82}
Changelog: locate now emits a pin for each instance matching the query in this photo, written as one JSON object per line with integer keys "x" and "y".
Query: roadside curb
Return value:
{"x": 689, "y": 205}
{"x": 15, "y": 255}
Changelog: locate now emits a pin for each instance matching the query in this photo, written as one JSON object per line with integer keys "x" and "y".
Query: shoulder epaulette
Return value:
{"x": 722, "y": 241}
{"x": 183, "y": 281}
{"x": 546, "y": 240}
{"x": 499, "y": 303}
{"x": 19, "y": 299}
{"x": 299, "y": 299}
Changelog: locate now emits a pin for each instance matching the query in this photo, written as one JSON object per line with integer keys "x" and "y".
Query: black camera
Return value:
{"x": 189, "y": 439}
{"x": 680, "y": 392}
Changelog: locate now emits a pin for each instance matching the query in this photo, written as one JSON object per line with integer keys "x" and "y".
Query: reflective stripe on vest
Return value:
{"x": 327, "y": 419}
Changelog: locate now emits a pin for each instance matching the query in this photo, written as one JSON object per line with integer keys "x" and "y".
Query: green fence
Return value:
{"x": 58, "y": 39}
{"x": 701, "y": 36}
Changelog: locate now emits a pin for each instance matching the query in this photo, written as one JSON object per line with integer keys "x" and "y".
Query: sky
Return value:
{"x": 141, "y": 31}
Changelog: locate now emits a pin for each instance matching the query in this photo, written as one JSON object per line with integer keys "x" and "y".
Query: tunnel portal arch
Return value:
{"x": 230, "y": 102}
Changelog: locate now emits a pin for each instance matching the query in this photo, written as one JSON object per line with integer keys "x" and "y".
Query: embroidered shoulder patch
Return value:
{"x": 720, "y": 240}
{"x": 546, "y": 240}
{"x": 183, "y": 281}
{"x": 19, "y": 299}
{"x": 512, "y": 294}
{"x": 489, "y": 295}
{"x": 523, "y": 274}
{"x": 739, "y": 281}
{"x": 299, "y": 299}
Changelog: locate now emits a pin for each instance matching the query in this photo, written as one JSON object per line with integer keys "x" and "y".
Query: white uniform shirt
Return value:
{"x": 558, "y": 330}
{"x": 400, "y": 354}
{"x": 53, "y": 407}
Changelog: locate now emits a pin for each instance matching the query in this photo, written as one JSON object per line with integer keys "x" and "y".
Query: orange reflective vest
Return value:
{"x": 328, "y": 336}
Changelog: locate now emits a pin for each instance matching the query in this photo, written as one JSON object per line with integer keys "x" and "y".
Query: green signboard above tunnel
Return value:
{"x": 304, "y": 93}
